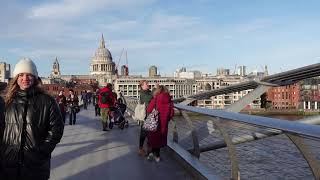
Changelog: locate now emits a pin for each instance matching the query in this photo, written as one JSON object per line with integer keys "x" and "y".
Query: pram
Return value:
{"x": 117, "y": 116}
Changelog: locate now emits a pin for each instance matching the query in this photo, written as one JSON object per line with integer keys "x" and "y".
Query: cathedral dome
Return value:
{"x": 102, "y": 54}
{"x": 102, "y": 63}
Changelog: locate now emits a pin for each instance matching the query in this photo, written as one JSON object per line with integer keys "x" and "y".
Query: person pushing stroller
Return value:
{"x": 106, "y": 102}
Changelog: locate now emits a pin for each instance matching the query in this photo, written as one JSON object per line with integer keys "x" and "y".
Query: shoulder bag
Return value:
{"x": 152, "y": 121}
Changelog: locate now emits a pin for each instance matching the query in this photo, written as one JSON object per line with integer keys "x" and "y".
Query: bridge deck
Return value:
{"x": 86, "y": 152}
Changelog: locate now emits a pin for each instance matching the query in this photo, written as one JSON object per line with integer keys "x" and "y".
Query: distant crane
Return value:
{"x": 235, "y": 69}
{"x": 117, "y": 65}
{"x": 124, "y": 68}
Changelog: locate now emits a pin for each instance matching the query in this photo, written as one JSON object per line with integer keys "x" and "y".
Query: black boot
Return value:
{"x": 104, "y": 126}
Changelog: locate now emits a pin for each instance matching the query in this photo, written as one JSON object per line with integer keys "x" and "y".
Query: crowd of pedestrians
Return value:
{"x": 32, "y": 121}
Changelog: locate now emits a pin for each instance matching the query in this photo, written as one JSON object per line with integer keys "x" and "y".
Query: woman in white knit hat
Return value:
{"x": 32, "y": 127}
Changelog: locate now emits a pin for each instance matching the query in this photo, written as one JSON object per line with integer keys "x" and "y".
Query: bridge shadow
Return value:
{"x": 129, "y": 166}
{"x": 88, "y": 153}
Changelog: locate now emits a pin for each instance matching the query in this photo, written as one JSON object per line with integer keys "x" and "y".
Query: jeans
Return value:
{"x": 97, "y": 110}
{"x": 143, "y": 135}
{"x": 63, "y": 117}
{"x": 156, "y": 152}
{"x": 72, "y": 116}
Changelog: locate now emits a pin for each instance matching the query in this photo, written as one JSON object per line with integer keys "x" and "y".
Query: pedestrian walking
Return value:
{"x": 158, "y": 139}
{"x": 62, "y": 102}
{"x": 84, "y": 98}
{"x": 106, "y": 101}
{"x": 73, "y": 106}
{"x": 145, "y": 98}
{"x": 95, "y": 100}
{"x": 2, "y": 122}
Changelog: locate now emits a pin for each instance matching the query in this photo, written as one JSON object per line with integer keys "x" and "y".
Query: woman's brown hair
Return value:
{"x": 142, "y": 82}
{"x": 14, "y": 87}
{"x": 159, "y": 89}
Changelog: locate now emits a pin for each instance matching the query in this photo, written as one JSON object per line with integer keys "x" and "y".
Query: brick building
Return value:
{"x": 284, "y": 97}
{"x": 53, "y": 89}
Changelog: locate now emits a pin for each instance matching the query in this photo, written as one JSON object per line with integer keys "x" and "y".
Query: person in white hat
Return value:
{"x": 31, "y": 128}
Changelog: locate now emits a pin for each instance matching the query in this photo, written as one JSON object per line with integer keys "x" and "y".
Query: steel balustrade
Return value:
{"x": 294, "y": 130}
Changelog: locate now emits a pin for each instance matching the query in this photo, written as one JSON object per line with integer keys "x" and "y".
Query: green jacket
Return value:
{"x": 145, "y": 97}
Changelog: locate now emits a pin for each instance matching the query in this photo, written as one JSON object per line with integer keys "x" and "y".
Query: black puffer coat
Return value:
{"x": 27, "y": 140}
{"x": 2, "y": 107}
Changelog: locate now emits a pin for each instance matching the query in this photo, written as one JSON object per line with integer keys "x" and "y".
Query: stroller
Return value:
{"x": 117, "y": 115}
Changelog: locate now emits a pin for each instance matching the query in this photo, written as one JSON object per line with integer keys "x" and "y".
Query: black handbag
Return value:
{"x": 77, "y": 109}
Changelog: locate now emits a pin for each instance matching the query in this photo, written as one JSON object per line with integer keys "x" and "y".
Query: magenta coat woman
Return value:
{"x": 164, "y": 105}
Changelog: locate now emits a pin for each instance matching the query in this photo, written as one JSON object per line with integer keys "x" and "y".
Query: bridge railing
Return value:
{"x": 236, "y": 144}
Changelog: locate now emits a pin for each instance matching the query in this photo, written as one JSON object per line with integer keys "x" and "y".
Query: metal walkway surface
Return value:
{"x": 85, "y": 152}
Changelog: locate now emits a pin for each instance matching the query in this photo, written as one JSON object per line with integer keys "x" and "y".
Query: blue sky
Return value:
{"x": 198, "y": 34}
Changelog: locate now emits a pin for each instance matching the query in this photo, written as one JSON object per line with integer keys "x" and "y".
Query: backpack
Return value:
{"x": 106, "y": 98}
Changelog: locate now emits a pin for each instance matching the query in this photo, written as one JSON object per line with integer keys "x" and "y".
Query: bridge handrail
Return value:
{"x": 295, "y": 131}
{"x": 284, "y": 125}
{"x": 274, "y": 123}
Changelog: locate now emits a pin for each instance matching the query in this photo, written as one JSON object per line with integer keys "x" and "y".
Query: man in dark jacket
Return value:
{"x": 95, "y": 100}
{"x": 62, "y": 102}
{"x": 73, "y": 105}
{"x": 2, "y": 108}
{"x": 145, "y": 98}
{"x": 33, "y": 126}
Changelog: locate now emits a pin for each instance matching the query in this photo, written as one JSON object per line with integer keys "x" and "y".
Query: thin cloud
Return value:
{"x": 153, "y": 33}
{"x": 142, "y": 45}
{"x": 66, "y": 9}
{"x": 77, "y": 8}
{"x": 227, "y": 37}
{"x": 51, "y": 53}
{"x": 253, "y": 26}
{"x": 122, "y": 25}
{"x": 163, "y": 22}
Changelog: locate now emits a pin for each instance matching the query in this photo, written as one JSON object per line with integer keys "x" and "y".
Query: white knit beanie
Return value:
{"x": 25, "y": 65}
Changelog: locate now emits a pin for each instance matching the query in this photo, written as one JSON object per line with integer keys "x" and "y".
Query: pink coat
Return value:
{"x": 164, "y": 105}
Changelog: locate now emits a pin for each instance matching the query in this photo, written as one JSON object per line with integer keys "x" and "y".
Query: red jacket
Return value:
{"x": 113, "y": 100}
{"x": 62, "y": 102}
{"x": 165, "y": 107}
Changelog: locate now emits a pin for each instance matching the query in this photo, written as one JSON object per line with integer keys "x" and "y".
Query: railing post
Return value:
{"x": 196, "y": 146}
{"x": 235, "y": 173}
{"x": 175, "y": 137}
{"x": 307, "y": 154}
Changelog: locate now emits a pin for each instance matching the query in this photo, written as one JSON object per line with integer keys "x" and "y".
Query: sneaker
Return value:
{"x": 150, "y": 157}
{"x": 157, "y": 159}
{"x": 141, "y": 152}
